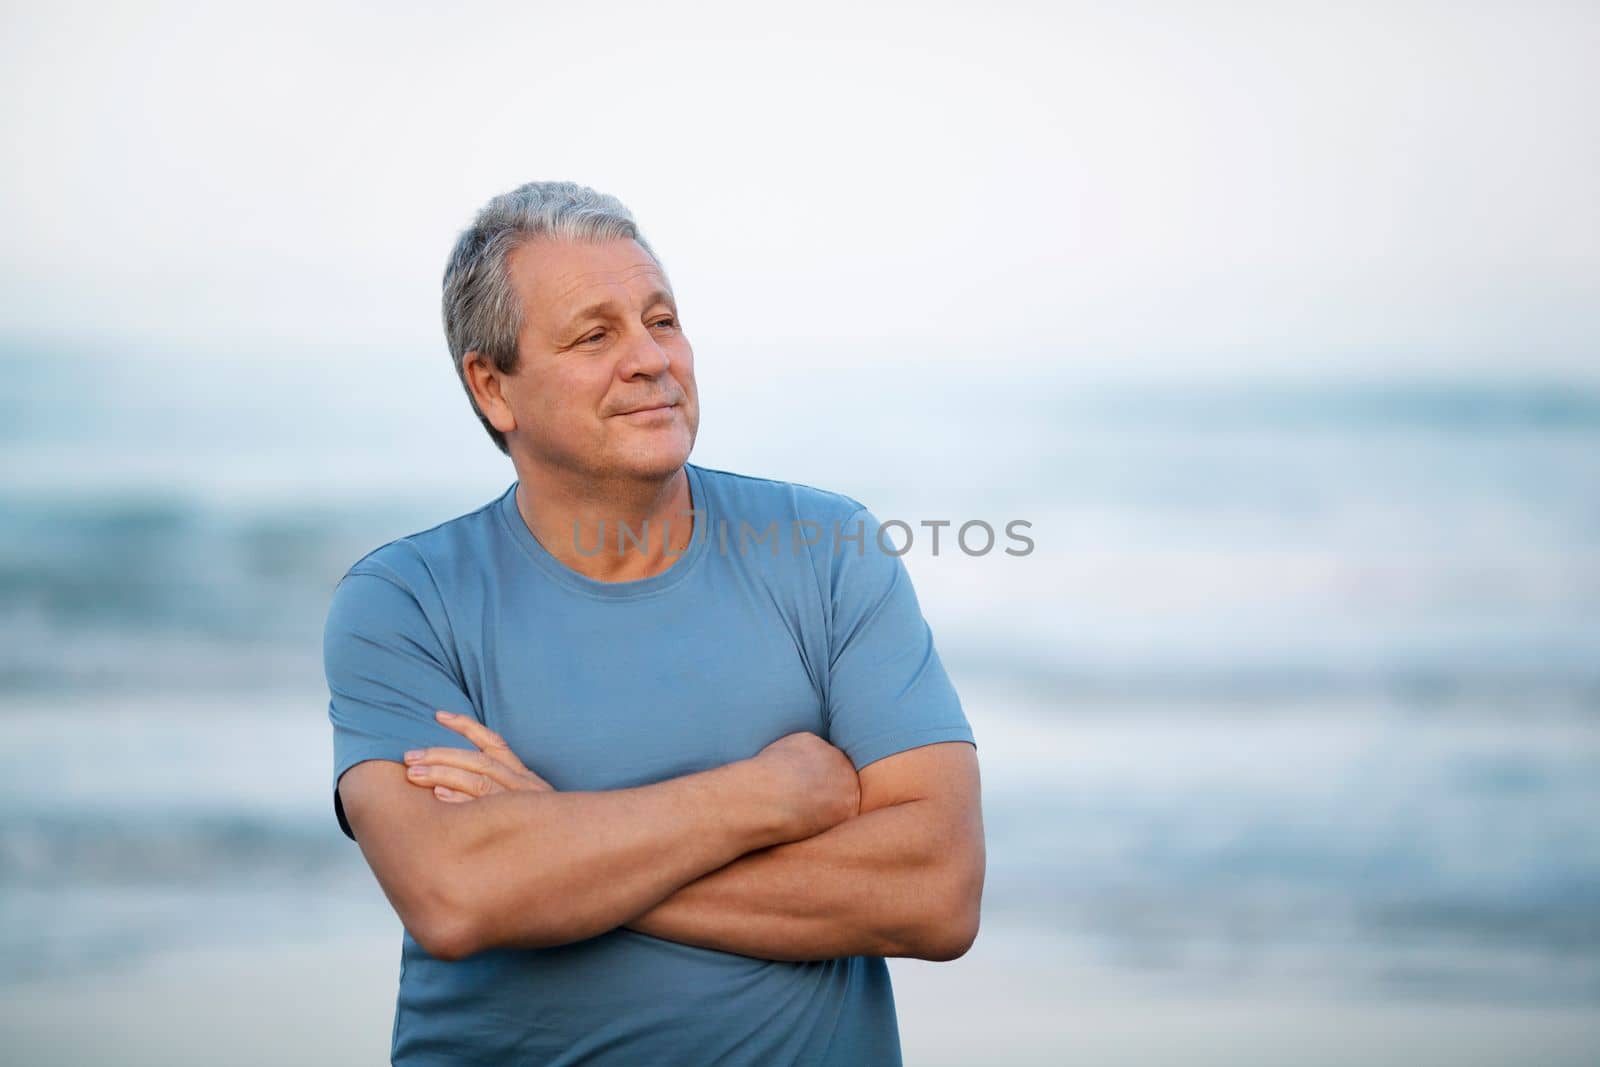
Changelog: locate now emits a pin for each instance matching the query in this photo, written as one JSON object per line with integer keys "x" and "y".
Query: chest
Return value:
{"x": 606, "y": 695}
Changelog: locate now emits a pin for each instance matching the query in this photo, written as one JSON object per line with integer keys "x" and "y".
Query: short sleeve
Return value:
{"x": 388, "y": 672}
{"x": 887, "y": 688}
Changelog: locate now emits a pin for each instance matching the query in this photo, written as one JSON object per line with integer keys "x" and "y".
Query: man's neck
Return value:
{"x": 580, "y": 520}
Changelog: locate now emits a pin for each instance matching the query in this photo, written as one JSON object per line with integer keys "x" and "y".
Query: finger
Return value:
{"x": 451, "y": 795}
{"x": 495, "y": 748}
{"x": 462, "y": 781}
{"x": 463, "y": 759}
{"x": 468, "y": 759}
{"x": 492, "y": 744}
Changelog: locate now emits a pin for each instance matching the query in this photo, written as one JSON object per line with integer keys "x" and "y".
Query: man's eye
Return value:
{"x": 592, "y": 337}
{"x": 667, "y": 322}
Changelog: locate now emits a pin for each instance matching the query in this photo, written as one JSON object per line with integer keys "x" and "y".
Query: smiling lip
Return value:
{"x": 646, "y": 411}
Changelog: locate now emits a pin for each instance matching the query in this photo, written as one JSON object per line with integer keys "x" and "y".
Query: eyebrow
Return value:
{"x": 603, "y": 308}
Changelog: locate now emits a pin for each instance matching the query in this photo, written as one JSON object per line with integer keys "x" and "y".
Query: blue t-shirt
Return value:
{"x": 783, "y": 614}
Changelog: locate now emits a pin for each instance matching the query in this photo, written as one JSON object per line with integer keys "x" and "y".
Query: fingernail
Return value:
{"x": 415, "y": 753}
{"x": 447, "y": 714}
{"x": 419, "y": 770}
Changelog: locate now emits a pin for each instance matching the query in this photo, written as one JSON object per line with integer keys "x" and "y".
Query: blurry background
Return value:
{"x": 1279, "y": 323}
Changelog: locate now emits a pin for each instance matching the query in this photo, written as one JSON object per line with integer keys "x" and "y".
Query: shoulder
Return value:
{"x": 737, "y": 495}
{"x": 419, "y": 562}
{"x": 828, "y": 535}
{"x": 403, "y": 589}
{"x": 418, "y": 559}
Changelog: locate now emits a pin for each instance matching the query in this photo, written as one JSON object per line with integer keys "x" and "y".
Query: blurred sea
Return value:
{"x": 1301, "y": 682}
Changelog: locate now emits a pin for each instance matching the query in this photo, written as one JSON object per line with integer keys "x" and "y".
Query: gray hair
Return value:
{"x": 482, "y": 312}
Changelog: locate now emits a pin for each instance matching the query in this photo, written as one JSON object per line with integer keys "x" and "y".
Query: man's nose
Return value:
{"x": 642, "y": 355}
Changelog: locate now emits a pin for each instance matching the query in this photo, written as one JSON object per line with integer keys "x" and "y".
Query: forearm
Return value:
{"x": 533, "y": 869}
{"x": 872, "y": 885}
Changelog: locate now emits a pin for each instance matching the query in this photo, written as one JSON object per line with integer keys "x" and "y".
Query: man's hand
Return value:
{"x": 814, "y": 784}
{"x": 457, "y": 775}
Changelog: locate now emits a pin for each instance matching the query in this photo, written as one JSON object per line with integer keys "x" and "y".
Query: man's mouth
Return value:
{"x": 648, "y": 410}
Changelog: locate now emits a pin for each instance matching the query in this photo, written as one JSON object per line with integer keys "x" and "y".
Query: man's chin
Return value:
{"x": 659, "y": 462}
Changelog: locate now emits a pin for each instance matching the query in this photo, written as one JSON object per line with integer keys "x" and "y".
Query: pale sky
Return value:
{"x": 1149, "y": 189}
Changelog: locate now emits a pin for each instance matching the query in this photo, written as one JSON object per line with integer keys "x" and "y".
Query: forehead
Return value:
{"x": 557, "y": 278}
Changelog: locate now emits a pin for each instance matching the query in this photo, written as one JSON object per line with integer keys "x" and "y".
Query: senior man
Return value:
{"x": 667, "y": 803}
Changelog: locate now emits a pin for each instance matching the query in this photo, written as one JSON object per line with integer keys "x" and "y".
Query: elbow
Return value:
{"x": 446, "y": 938}
{"x": 444, "y": 926}
{"x": 453, "y": 927}
{"x": 956, "y": 921}
{"x": 951, "y": 938}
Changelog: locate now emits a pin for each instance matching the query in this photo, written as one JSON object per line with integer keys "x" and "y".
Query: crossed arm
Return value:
{"x": 902, "y": 878}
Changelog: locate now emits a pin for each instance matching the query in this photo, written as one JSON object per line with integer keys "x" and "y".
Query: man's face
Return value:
{"x": 600, "y": 338}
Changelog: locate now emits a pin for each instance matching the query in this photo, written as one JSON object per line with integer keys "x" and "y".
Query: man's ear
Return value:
{"x": 484, "y": 381}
